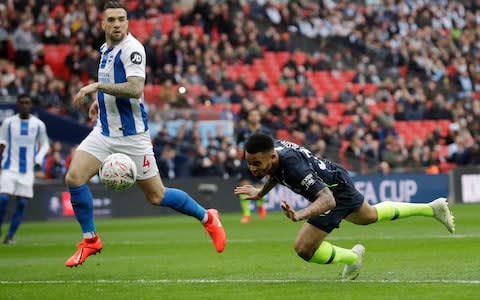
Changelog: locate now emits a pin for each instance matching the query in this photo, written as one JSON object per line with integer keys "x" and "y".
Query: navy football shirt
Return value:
{"x": 304, "y": 173}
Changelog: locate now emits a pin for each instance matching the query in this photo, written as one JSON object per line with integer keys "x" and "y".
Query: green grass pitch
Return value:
{"x": 172, "y": 258}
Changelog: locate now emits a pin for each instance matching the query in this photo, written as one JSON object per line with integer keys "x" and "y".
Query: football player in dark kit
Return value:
{"x": 333, "y": 198}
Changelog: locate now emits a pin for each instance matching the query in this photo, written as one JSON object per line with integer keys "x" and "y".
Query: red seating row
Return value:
{"x": 143, "y": 28}
{"x": 410, "y": 130}
{"x": 55, "y": 56}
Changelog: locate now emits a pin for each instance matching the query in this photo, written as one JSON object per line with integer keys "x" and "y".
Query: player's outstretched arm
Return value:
{"x": 252, "y": 192}
{"x": 248, "y": 190}
{"x": 324, "y": 202}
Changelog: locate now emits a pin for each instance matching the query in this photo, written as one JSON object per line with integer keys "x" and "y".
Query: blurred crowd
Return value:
{"x": 422, "y": 57}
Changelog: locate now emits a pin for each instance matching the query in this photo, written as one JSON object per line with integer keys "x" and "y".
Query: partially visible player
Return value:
{"x": 122, "y": 127}
{"x": 333, "y": 198}
{"x": 253, "y": 125}
{"x": 24, "y": 144}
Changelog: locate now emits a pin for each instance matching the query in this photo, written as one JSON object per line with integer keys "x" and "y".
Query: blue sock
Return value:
{"x": 3, "y": 207}
{"x": 17, "y": 217}
{"x": 183, "y": 203}
{"x": 82, "y": 203}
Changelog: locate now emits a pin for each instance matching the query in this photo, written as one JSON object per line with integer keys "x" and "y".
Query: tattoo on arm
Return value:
{"x": 324, "y": 202}
{"x": 133, "y": 88}
{"x": 267, "y": 187}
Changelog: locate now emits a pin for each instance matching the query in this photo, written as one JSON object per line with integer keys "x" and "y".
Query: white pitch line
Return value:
{"x": 248, "y": 241}
{"x": 220, "y": 281}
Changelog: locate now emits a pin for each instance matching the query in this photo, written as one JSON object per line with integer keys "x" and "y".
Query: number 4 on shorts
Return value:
{"x": 146, "y": 164}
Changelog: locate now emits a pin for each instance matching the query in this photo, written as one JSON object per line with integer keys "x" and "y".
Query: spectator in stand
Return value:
{"x": 24, "y": 43}
{"x": 439, "y": 109}
{"x": 203, "y": 165}
{"x": 50, "y": 34}
{"x": 261, "y": 83}
{"x": 346, "y": 95}
{"x": 459, "y": 152}
{"x": 233, "y": 162}
{"x": 394, "y": 153}
{"x": 68, "y": 158}
{"x": 317, "y": 62}
{"x": 168, "y": 94}
{"x": 54, "y": 166}
{"x": 386, "y": 130}
{"x": 74, "y": 60}
{"x": 291, "y": 89}
{"x": 384, "y": 168}
{"x": 3, "y": 40}
{"x": 166, "y": 73}
{"x": 220, "y": 167}
{"x": 465, "y": 84}
{"x": 287, "y": 75}
{"x": 238, "y": 94}
{"x": 90, "y": 62}
{"x": 166, "y": 162}
{"x": 220, "y": 96}
{"x": 307, "y": 89}
{"x": 361, "y": 75}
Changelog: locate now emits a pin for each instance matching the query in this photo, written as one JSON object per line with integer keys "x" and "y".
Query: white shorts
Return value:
{"x": 139, "y": 147}
{"x": 17, "y": 184}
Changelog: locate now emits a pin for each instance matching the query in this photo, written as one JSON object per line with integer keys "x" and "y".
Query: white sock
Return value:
{"x": 89, "y": 235}
{"x": 205, "y": 218}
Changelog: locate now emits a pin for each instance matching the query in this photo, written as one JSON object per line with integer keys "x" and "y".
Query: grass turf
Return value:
{"x": 172, "y": 258}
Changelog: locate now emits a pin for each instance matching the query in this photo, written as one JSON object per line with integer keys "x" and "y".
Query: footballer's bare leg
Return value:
{"x": 308, "y": 240}
{"x": 153, "y": 189}
{"x": 83, "y": 167}
{"x": 312, "y": 247}
{"x": 367, "y": 214}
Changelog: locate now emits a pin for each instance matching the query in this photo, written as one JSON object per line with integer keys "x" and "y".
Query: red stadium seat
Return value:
{"x": 55, "y": 56}
{"x": 151, "y": 93}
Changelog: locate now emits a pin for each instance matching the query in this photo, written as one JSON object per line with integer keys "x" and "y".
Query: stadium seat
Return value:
{"x": 151, "y": 93}
{"x": 55, "y": 56}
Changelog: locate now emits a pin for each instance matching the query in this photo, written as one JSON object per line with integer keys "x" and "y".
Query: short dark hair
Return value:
{"x": 23, "y": 96}
{"x": 259, "y": 142}
{"x": 113, "y": 4}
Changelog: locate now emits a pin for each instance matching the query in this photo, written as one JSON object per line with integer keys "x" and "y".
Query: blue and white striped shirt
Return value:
{"x": 26, "y": 143}
{"x": 121, "y": 116}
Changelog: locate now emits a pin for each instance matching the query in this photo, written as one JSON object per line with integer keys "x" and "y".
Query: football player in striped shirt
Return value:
{"x": 122, "y": 127}
{"x": 24, "y": 144}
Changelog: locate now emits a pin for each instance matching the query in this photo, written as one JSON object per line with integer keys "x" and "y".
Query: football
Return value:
{"x": 118, "y": 172}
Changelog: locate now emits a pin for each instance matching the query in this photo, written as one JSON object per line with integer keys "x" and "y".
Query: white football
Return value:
{"x": 118, "y": 172}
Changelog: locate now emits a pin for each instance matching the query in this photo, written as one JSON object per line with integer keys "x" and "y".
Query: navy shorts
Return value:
{"x": 348, "y": 200}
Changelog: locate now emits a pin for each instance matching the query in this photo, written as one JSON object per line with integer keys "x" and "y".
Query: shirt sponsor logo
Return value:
{"x": 136, "y": 58}
{"x": 308, "y": 181}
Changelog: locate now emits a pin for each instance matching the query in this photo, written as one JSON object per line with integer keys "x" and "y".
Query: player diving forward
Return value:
{"x": 333, "y": 197}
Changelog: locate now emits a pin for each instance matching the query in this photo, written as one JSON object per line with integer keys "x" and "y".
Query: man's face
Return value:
{"x": 259, "y": 164}
{"x": 115, "y": 24}
{"x": 24, "y": 106}
{"x": 254, "y": 117}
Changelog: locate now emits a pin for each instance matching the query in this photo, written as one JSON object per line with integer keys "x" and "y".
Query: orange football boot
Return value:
{"x": 215, "y": 229}
{"x": 85, "y": 248}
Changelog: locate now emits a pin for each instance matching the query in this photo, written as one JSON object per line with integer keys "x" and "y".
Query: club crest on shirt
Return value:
{"x": 136, "y": 58}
